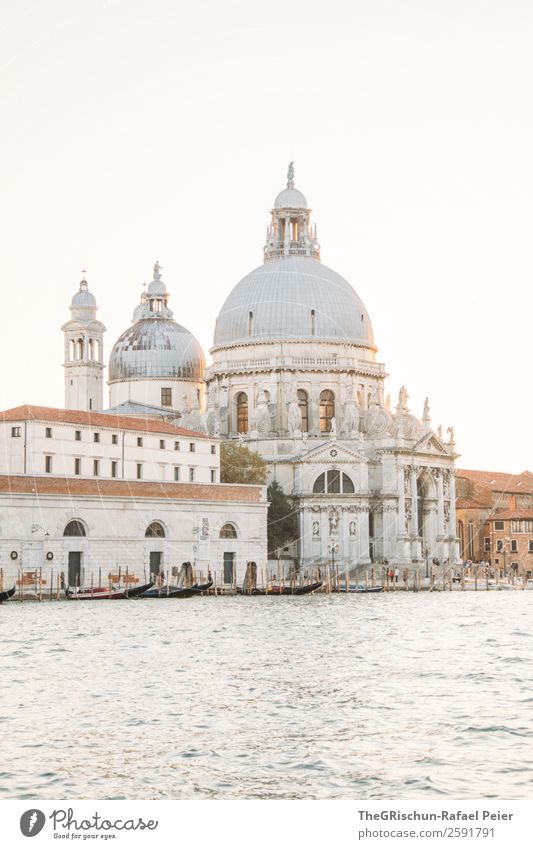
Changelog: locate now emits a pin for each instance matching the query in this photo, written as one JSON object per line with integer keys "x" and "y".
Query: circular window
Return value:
{"x": 14, "y": 555}
{"x": 49, "y": 555}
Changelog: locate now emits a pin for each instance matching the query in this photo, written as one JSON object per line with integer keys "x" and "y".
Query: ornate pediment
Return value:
{"x": 333, "y": 452}
{"x": 431, "y": 444}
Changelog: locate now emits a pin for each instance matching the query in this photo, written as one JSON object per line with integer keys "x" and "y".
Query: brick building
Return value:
{"x": 495, "y": 518}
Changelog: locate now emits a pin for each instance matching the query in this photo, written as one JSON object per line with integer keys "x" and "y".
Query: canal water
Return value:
{"x": 403, "y": 696}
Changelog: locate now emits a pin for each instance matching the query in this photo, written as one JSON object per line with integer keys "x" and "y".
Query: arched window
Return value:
{"x": 303, "y": 404}
{"x": 250, "y": 323}
{"x": 347, "y": 484}
{"x": 97, "y": 349}
{"x": 335, "y": 482}
{"x": 461, "y": 535}
{"x": 155, "y": 529}
{"x": 320, "y": 483}
{"x": 91, "y": 349}
{"x": 75, "y": 528}
{"x": 327, "y": 410}
{"x": 242, "y": 412}
{"x": 228, "y": 531}
{"x": 72, "y": 349}
{"x": 80, "y": 349}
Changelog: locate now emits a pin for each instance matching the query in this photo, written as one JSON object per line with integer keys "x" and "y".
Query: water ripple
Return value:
{"x": 402, "y": 696}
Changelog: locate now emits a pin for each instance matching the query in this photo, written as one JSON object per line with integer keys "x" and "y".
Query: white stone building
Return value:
{"x": 295, "y": 376}
{"x": 89, "y": 529}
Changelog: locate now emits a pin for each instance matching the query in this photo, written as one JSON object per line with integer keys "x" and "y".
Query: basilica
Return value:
{"x": 294, "y": 376}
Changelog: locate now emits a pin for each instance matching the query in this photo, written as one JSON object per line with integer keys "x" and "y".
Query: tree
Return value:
{"x": 282, "y": 519}
{"x": 240, "y": 465}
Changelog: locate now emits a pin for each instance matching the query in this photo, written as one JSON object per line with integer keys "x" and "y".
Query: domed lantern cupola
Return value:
{"x": 290, "y": 232}
{"x": 156, "y": 361}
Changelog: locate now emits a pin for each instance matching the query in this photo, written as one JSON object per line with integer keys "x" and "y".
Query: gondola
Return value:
{"x": 135, "y": 592}
{"x": 5, "y": 595}
{"x": 169, "y": 592}
{"x": 95, "y": 594}
{"x": 201, "y": 588}
{"x": 281, "y": 589}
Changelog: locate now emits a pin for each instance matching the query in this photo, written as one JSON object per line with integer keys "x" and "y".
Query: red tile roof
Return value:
{"x": 28, "y": 412}
{"x": 26, "y": 484}
{"x": 499, "y": 481}
{"x": 506, "y": 515}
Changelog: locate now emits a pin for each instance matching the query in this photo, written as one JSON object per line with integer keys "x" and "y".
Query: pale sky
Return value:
{"x": 155, "y": 129}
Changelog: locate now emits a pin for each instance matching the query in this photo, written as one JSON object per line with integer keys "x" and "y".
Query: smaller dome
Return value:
{"x": 157, "y": 289}
{"x": 290, "y": 198}
{"x": 83, "y": 298}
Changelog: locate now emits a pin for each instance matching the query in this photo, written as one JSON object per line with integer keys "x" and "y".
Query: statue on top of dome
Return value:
{"x": 290, "y": 174}
{"x": 157, "y": 271}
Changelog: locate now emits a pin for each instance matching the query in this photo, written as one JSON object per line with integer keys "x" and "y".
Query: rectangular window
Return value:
{"x": 191, "y": 475}
{"x": 514, "y": 546}
{"x": 139, "y": 442}
{"x": 161, "y": 443}
{"x": 77, "y": 435}
{"x": 114, "y": 468}
{"x": 48, "y": 464}
{"x": 48, "y": 433}
{"x": 77, "y": 466}
{"x": 498, "y": 526}
{"x": 213, "y": 476}
{"x": 192, "y": 447}
{"x": 96, "y": 468}
{"x": 114, "y": 439}
{"x": 15, "y": 431}
{"x": 499, "y": 545}
{"x": 139, "y": 471}
{"x": 213, "y": 449}
{"x": 486, "y": 543}
{"x": 96, "y": 437}
{"x": 166, "y": 397}
{"x": 176, "y": 473}
{"x": 176, "y": 446}
{"x": 530, "y": 546}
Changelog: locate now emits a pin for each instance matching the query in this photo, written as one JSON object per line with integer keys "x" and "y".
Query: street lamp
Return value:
{"x": 426, "y": 552}
{"x": 35, "y": 528}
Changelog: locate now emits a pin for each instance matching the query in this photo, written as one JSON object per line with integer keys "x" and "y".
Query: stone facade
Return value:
{"x": 295, "y": 377}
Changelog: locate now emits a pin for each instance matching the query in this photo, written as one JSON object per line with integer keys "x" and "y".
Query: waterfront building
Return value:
{"x": 295, "y": 377}
{"x": 84, "y": 492}
{"x": 494, "y": 518}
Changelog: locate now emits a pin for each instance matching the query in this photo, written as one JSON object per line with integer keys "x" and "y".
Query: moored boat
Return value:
{"x": 135, "y": 592}
{"x": 302, "y": 589}
{"x": 95, "y": 593}
{"x": 5, "y": 595}
{"x": 169, "y": 592}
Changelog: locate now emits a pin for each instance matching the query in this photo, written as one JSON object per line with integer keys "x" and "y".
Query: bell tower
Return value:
{"x": 84, "y": 353}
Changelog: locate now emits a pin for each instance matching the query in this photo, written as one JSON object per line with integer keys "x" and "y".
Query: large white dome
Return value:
{"x": 293, "y": 298}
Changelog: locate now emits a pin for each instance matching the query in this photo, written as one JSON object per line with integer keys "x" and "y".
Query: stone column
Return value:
{"x": 440, "y": 505}
{"x": 416, "y": 548}
{"x": 452, "y": 527}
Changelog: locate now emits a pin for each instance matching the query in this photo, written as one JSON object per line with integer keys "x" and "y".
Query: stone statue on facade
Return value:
{"x": 350, "y": 420}
{"x": 262, "y": 413}
{"x": 294, "y": 414}
{"x": 426, "y": 418}
{"x": 333, "y": 428}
